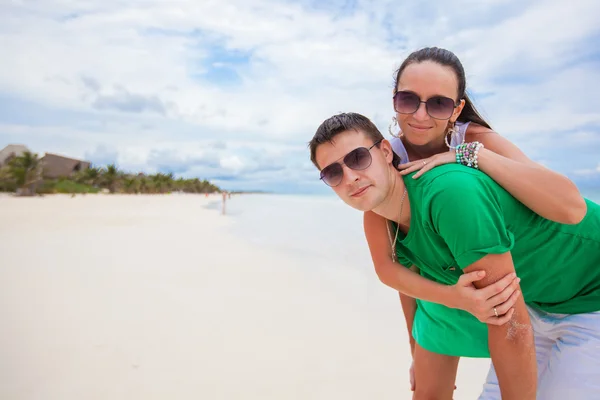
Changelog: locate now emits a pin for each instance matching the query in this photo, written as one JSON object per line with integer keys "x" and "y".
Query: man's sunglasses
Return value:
{"x": 358, "y": 159}
{"x": 438, "y": 107}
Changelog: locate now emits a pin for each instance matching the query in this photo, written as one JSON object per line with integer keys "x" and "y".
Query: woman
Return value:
{"x": 427, "y": 133}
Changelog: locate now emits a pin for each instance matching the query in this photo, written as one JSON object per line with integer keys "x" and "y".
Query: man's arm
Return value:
{"x": 511, "y": 345}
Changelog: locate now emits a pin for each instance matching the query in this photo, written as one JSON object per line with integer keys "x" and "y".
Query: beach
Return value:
{"x": 162, "y": 297}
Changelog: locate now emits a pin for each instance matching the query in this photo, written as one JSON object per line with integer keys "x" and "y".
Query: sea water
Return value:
{"x": 314, "y": 226}
{"x": 321, "y": 227}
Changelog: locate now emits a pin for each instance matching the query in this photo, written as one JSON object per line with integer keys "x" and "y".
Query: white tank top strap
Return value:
{"x": 399, "y": 149}
{"x": 457, "y": 138}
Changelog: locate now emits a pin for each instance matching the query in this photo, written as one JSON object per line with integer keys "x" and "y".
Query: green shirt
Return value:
{"x": 458, "y": 216}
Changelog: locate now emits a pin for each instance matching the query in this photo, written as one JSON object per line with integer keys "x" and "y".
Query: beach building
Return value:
{"x": 56, "y": 166}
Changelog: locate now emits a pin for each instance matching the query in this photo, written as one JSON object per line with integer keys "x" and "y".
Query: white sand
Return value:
{"x": 148, "y": 297}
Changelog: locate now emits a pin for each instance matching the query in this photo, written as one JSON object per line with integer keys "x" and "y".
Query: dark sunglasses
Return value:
{"x": 358, "y": 159}
{"x": 438, "y": 107}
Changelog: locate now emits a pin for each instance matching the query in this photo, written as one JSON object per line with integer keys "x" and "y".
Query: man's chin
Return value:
{"x": 361, "y": 204}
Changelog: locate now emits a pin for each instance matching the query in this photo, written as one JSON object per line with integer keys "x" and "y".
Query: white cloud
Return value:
{"x": 232, "y": 163}
{"x": 589, "y": 171}
{"x": 131, "y": 76}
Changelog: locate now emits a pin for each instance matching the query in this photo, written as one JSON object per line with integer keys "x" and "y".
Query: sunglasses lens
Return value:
{"x": 332, "y": 174}
{"x": 358, "y": 159}
{"x": 440, "y": 107}
{"x": 406, "y": 102}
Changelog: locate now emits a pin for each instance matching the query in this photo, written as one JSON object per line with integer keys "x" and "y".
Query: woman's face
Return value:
{"x": 426, "y": 80}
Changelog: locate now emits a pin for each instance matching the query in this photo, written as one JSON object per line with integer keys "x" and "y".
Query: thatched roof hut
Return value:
{"x": 11, "y": 151}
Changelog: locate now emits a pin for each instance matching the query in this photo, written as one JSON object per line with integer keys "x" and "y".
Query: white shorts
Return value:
{"x": 568, "y": 357}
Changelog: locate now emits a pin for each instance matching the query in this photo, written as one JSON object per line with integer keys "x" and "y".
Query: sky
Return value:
{"x": 233, "y": 90}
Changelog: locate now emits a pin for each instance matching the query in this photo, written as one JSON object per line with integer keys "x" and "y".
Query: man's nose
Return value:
{"x": 350, "y": 175}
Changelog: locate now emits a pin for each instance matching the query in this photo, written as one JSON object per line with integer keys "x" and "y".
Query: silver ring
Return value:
{"x": 496, "y": 312}
{"x": 424, "y": 162}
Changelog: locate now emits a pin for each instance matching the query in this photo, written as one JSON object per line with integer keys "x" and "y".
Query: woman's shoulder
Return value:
{"x": 495, "y": 142}
{"x": 475, "y": 132}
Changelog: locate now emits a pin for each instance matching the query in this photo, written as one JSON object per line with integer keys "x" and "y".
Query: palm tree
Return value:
{"x": 179, "y": 184}
{"x": 7, "y": 182}
{"x": 26, "y": 171}
{"x": 91, "y": 175}
{"x": 163, "y": 182}
{"x": 143, "y": 181}
{"x": 169, "y": 181}
{"x": 88, "y": 176}
{"x": 111, "y": 177}
{"x": 131, "y": 184}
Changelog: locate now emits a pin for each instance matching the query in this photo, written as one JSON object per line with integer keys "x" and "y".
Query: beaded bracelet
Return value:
{"x": 466, "y": 154}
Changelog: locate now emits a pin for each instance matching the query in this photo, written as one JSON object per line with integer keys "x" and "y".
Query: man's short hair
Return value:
{"x": 339, "y": 123}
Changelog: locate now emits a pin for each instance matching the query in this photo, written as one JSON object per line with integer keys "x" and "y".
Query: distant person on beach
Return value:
{"x": 455, "y": 219}
{"x": 223, "y": 201}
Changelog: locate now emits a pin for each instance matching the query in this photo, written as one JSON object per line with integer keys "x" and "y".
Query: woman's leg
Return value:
{"x": 435, "y": 375}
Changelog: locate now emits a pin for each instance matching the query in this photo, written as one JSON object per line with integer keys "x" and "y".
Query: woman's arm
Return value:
{"x": 547, "y": 193}
{"x": 409, "y": 307}
{"x": 395, "y": 275}
{"x": 463, "y": 295}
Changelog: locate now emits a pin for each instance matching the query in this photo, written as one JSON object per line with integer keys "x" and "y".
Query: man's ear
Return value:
{"x": 386, "y": 148}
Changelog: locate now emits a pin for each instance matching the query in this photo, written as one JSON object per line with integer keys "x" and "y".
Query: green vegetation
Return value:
{"x": 65, "y": 186}
{"x": 25, "y": 175}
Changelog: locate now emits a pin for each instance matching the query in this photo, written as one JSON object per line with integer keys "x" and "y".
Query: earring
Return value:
{"x": 395, "y": 122}
{"x": 453, "y": 130}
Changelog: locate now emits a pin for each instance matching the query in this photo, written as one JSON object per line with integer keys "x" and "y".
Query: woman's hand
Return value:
{"x": 500, "y": 296}
{"x": 426, "y": 164}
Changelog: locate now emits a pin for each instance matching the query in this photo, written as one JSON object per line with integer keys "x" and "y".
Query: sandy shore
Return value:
{"x": 150, "y": 297}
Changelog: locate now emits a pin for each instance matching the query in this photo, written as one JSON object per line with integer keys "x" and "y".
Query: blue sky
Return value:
{"x": 232, "y": 91}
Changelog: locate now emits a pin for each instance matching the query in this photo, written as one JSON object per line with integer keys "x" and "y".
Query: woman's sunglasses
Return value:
{"x": 438, "y": 107}
{"x": 358, "y": 159}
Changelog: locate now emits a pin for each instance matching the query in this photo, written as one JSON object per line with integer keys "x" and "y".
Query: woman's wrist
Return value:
{"x": 467, "y": 154}
{"x": 448, "y": 297}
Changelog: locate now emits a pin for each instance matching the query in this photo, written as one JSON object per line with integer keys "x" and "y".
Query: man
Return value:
{"x": 456, "y": 219}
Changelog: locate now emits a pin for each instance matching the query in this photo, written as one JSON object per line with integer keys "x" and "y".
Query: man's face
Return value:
{"x": 361, "y": 189}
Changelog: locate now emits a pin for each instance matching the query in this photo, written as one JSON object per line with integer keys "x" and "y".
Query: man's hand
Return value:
{"x": 501, "y": 295}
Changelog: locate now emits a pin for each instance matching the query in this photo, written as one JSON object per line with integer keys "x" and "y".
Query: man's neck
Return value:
{"x": 390, "y": 207}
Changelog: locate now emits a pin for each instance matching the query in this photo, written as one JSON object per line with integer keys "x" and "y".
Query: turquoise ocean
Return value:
{"x": 310, "y": 227}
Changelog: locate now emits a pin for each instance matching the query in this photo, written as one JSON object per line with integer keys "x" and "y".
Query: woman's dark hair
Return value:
{"x": 448, "y": 59}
